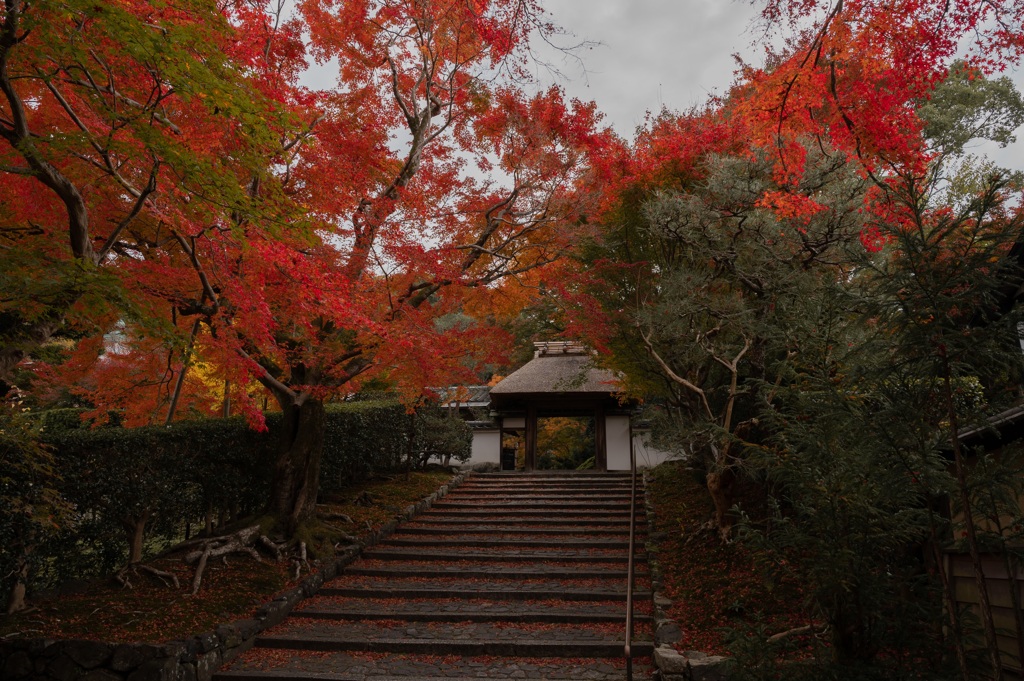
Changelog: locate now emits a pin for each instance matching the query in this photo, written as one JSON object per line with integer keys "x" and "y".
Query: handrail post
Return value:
{"x": 629, "y": 570}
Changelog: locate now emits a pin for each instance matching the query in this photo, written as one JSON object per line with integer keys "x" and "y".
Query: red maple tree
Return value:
{"x": 302, "y": 241}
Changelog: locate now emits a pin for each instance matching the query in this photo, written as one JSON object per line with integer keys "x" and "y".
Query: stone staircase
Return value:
{"x": 511, "y": 576}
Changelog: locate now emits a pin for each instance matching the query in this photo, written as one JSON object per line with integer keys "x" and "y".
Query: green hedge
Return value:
{"x": 113, "y": 476}
{"x": 229, "y": 461}
{"x": 168, "y": 476}
{"x": 362, "y": 438}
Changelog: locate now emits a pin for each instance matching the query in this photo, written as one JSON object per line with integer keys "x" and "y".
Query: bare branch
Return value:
{"x": 125, "y": 99}
{"x": 20, "y": 139}
{"x": 271, "y": 383}
{"x": 673, "y": 375}
{"x": 304, "y": 134}
{"x": 136, "y": 209}
{"x": 733, "y": 367}
{"x": 198, "y": 267}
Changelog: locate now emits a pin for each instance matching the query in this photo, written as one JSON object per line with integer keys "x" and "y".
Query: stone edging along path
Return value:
{"x": 194, "y": 659}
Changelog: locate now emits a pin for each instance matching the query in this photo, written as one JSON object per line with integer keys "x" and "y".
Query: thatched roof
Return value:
{"x": 996, "y": 431}
{"x": 558, "y": 368}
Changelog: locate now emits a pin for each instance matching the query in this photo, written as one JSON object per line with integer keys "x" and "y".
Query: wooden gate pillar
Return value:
{"x": 531, "y": 438}
{"x": 600, "y": 440}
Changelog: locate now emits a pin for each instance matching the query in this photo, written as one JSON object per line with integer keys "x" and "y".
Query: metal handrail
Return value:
{"x": 629, "y": 570}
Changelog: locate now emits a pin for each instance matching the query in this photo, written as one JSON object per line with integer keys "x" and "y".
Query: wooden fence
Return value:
{"x": 1000, "y": 583}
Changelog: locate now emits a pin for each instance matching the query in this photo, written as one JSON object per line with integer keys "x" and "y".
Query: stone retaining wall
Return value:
{"x": 195, "y": 659}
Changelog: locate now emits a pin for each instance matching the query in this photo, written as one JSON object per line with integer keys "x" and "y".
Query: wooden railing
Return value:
{"x": 630, "y": 567}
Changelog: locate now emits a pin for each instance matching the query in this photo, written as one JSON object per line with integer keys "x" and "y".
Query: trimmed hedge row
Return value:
{"x": 193, "y": 474}
{"x": 362, "y": 438}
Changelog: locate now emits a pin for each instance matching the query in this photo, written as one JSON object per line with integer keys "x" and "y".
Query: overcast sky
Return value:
{"x": 653, "y": 53}
{"x": 674, "y": 53}
{"x": 650, "y": 53}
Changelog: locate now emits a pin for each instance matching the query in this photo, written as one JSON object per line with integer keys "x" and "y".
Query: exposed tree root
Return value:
{"x": 331, "y": 517}
{"x": 122, "y": 578}
{"x": 249, "y": 541}
{"x": 275, "y": 549}
{"x": 242, "y": 541}
{"x": 710, "y": 528}
{"x": 301, "y": 561}
{"x": 806, "y": 629}
{"x": 343, "y": 538}
{"x": 161, "y": 575}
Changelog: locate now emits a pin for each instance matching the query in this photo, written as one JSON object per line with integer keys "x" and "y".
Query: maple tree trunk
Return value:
{"x": 208, "y": 519}
{"x": 226, "y": 406}
{"x": 18, "y": 339}
{"x": 135, "y": 530}
{"x": 16, "y": 596}
{"x": 720, "y": 483}
{"x": 297, "y": 471}
{"x": 182, "y": 373}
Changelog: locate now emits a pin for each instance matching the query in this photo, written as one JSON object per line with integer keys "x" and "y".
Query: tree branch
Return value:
{"x": 673, "y": 375}
{"x": 20, "y": 139}
{"x": 198, "y": 267}
{"x": 136, "y": 209}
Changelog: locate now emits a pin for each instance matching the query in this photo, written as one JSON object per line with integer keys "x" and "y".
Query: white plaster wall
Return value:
{"x": 616, "y": 431}
{"x": 486, "y": 447}
{"x": 648, "y": 456}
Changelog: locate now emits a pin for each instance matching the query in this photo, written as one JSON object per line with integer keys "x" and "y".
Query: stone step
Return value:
{"x": 537, "y": 478}
{"x": 496, "y": 488}
{"x": 404, "y": 555}
{"x": 510, "y": 648}
{"x": 508, "y": 529}
{"x": 525, "y": 617}
{"x": 489, "y": 572}
{"x": 568, "y": 523}
{"x": 525, "y": 505}
{"x": 488, "y": 591}
{"x": 501, "y": 543}
{"x": 564, "y": 515}
{"x": 284, "y": 665}
{"x": 475, "y": 645}
{"x": 550, "y": 532}
{"x": 538, "y": 498}
{"x": 512, "y": 511}
{"x": 531, "y": 502}
{"x": 382, "y": 633}
{"x": 488, "y": 490}
{"x": 513, "y": 536}
{"x": 474, "y": 483}
{"x": 461, "y": 609}
{"x": 505, "y": 569}
{"x": 592, "y": 487}
{"x": 516, "y": 553}
{"x": 560, "y": 475}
